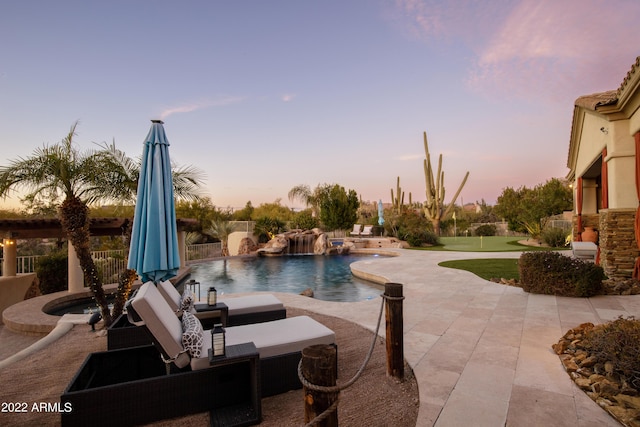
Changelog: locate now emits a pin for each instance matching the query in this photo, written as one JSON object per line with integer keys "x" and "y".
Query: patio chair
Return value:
{"x": 242, "y": 310}
{"x": 367, "y": 231}
{"x": 356, "y": 230}
{"x": 279, "y": 343}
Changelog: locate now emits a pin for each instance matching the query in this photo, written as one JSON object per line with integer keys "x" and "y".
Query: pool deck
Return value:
{"x": 480, "y": 351}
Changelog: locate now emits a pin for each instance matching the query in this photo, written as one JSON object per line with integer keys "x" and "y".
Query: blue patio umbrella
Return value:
{"x": 380, "y": 213}
{"x": 154, "y": 239}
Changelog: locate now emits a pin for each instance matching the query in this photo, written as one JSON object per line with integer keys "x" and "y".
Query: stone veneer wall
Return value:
{"x": 618, "y": 247}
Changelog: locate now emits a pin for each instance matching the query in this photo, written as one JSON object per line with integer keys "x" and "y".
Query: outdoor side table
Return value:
{"x": 244, "y": 384}
{"x": 217, "y": 311}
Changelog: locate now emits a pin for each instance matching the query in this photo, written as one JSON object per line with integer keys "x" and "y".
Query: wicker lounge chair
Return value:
{"x": 279, "y": 343}
{"x": 242, "y": 310}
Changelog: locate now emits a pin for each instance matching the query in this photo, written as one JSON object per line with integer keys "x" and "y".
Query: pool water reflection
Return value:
{"x": 329, "y": 277}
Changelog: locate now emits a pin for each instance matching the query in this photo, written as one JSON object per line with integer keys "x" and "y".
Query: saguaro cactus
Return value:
{"x": 433, "y": 207}
{"x": 398, "y": 200}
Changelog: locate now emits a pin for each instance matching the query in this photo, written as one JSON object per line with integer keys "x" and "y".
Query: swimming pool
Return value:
{"x": 329, "y": 277}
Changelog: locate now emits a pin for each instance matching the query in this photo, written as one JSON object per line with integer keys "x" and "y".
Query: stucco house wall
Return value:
{"x": 608, "y": 120}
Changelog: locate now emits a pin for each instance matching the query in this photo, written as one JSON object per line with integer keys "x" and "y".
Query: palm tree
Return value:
{"x": 81, "y": 178}
{"x": 303, "y": 193}
{"x": 222, "y": 230}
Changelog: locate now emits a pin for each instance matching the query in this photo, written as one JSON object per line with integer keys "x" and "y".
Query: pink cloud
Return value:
{"x": 556, "y": 49}
{"x": 532, "y": 48}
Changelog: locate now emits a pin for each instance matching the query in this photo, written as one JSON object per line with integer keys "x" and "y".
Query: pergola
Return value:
{"x": 13, "y": 229}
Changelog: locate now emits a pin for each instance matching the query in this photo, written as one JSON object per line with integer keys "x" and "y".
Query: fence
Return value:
{"x": 109, "y": 264}
{"x": 204, "y": 251}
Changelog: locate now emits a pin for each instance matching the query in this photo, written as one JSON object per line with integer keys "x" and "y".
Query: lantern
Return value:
{"x": 212, "y": 296}
{"x": 217, "y": 340}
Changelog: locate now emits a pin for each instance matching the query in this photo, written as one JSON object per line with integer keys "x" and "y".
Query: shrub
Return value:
{"x": 617, "y": 342}
{"x": 419, "y": 238}
{"x": 554, "y": 274}
{"x": 52, "y": 271}
{"x": 554, "y": 237}
{"x": 412, "y": 227}
{"x": 486, "y": 230}
{"x": 304, "y": 220}
{"x": 265, "y": 227}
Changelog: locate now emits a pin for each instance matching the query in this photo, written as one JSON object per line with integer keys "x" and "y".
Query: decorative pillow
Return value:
{"x": 192, "y": 339}
{"x": 187, "y": 301}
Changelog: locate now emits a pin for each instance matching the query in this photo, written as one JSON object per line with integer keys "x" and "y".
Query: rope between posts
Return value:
{"x": 337, "y": 388}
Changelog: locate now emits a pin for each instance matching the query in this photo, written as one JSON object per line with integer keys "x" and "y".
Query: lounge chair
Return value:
{"x": 367, "y": 231}
{"x": 356, "y": 230}
{"x": 242, "y": 310}
{"x": 279, "y": 342}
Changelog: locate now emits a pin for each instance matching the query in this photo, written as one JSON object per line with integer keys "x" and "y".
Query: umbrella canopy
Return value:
{"x": 380, "y": 213}
{"x": 154, "y": 239}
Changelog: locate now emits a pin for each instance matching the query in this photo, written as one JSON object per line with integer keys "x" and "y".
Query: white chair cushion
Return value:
{"x": 171, "y": 294}
{"x": 252, "y": 304}
{"x": 161, "y": 321}
{"x": 273, "y": 338}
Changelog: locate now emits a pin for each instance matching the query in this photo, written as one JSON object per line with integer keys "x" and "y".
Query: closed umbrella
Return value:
{"x": 154, "y": 239}
{"x": 380, "y": 213}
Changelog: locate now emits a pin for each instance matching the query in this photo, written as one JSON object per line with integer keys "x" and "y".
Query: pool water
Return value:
{"x": 329, "y": 277}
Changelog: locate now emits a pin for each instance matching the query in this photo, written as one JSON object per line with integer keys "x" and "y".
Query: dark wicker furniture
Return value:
{"x": 131, "y": 387}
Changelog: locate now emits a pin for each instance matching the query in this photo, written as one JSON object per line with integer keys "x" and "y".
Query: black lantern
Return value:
{"x": 212, "y": 296}
{"x": 217, "y": 340}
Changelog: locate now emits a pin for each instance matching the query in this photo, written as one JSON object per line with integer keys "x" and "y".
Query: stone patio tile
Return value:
{"x": 475, "y": 408}
{"x": 540, "y": 368}
{"x": 428, "y": 414}
{"x": 450, "y": 353}
{"x": 533, "y": 407}
{"x": 492, "y": 354}
{"x": 487, "y": 380}
{"x": 435, "y": 384}
{"x": 420, "y": 344}
{"x": 589, "y": 413}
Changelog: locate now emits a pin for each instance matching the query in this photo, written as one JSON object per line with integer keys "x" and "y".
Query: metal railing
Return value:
{"x": 204, "y": 251}
{"x": 109, "y": 263}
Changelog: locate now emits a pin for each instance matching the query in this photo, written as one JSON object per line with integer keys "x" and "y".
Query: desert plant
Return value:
{"x": 554, "y": 237}
{"x": 617, "y": 342}
{"x": 552, "y": 273}
{"x": 265, "y": 228}
{"x": 434, "y": 206}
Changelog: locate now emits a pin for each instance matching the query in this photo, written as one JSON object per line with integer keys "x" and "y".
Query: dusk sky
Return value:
{"x": 266, "y": 95}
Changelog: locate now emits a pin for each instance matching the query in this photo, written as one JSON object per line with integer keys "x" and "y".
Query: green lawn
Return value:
{"x": 485, "y": 244}
{"x": 487, "y": 268}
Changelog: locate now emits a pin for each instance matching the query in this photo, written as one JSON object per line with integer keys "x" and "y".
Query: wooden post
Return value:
{"x": 319, "y": 367}
{"x": 394, "y": 325}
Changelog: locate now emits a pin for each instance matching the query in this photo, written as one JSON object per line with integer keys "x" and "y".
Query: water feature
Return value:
{"x": 329, "y": 277}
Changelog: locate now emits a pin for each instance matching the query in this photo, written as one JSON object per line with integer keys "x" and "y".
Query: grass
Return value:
{"x": 485, "y": 244}
{"x": 487, "y": 268}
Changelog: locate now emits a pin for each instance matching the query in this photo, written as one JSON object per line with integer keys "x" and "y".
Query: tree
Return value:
{"x": 81, "y": 178}
{"x": 434, "y": 206}
{"x": 338, "y": 208}
{"x": 311, "y": 199}
{"x": 222, "y": 230}
{"x": 244, "y": 214}
{"x": 525, "y": 207}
